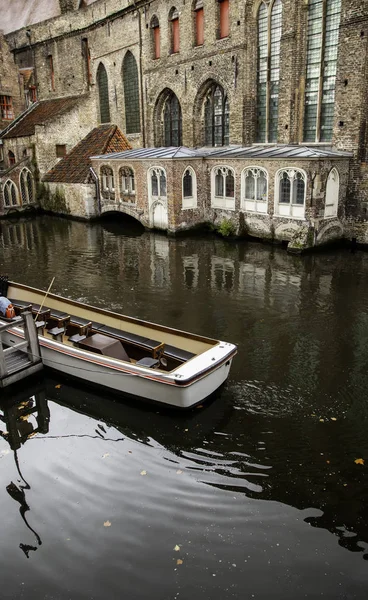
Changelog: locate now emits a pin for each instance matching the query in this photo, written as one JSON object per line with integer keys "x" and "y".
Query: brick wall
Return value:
{"x": 11, "y": 83}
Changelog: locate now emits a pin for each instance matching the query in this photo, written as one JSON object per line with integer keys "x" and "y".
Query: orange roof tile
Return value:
{"x": 75, "y": 167}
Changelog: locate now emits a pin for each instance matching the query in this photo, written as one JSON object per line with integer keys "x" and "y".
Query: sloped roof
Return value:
{"x": 254, "y": 152}
{"x": 74, "y": 168}
{"x": 16, "y": 14}
{"x": 39, "y": 114}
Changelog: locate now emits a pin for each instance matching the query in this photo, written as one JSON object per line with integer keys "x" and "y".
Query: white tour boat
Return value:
{"x": 122, "y": 353}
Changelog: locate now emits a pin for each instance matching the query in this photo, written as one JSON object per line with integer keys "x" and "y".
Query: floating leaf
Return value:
{"x": 177, "y": 548}
{"x": 143, "y": 472}
{"x": 200, "y": 406}
{"x": 321, "y": 420}
{"x": 179, "y": 561}
{"x": 179, "y": 472}
{"x": 328, "y": 462}
{"x": 186, "y": 429}
{"x": 107, "y": 524}
{"x": 106, "y": 455}
{"x": 58, "y": 386}
{"x": 333, "y": 419}
{"x": 359, "y": 461}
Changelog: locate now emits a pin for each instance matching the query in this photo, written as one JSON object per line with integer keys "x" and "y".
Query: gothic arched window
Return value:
{"x": 269, "y": 44}
{"x": 103, "y": 94}
{"x": 223, "y": 188}
{"x": 127, "y": 184}
{"x": 323, "y": 39}
{"x": 26, "y": 186}
{"x": 216, "y": 117}
{"x": 172, "y": 121}
{"x": 255, "y": 189}
{"x": 291, "y": 187}
{"x": 10, "y": 194}
{"x": 175, "y": 34}
{"x": 131, "y": 94}
{"x": 107, "y": 183}
{"x": 189, "y": 188}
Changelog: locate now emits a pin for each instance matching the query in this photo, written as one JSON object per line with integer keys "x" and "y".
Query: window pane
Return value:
{"x": 188, "y": 185}
{"x": 285, "y": 189}
{"x": 103, "y": 91}
{"x": 131, "y": 94}
{"x": 262, "y": 186}
{"x": 162, "y": 184}
{"x": 298, "y": 189}
{"x": 154, "y": 184}
{"x": 250, "y": 186}
{"x": 219, "y": 184}
{"x": 230, "y": 185}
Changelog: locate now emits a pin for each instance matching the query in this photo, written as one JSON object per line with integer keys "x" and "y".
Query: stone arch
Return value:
{"x": 332, "y": 231}
{"x": 167, "y": 119}
{"x": 286, "y": 231}
{"x": 209, "y": 85}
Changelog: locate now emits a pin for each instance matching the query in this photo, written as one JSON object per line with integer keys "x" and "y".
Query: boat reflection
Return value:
{"x": 24, "y": 416}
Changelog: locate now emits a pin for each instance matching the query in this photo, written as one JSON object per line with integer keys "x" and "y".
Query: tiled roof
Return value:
{"x": 247, "y": 152}
{"x": 40, "y": 113}
{"x": 75, "y": 167}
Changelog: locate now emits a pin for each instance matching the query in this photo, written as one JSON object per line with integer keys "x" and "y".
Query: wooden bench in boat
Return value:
{"x": 81, "y": 329}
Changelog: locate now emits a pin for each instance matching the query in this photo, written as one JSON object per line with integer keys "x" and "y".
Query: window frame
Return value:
{"x": 10, "y": 185}
{"x": 159, "y": 171}
{"x": 174, "y": 23}
{"x": 131, "y": 94}
{"x": 103, "y": 94}
{"x": 210, "y": 132}
{"x": 266, "y": 70}
{"x": 291, "y": 209}
{"x": 127, "y": 194}
{"x": 156, "y": 37}
{"x": 26, "y": 179}
{"x": 223, "y": 19}
{"x": 6, "y": 107}
{"x": 107, "y": 183}
{"x": 198, "y": 9}
{"x": 254, "y": 205}
{"x": 222, "y": 201}
{"x": 189, "y": 201}
{"x": 331, "y": 209}
{"x": 168, "y": 121}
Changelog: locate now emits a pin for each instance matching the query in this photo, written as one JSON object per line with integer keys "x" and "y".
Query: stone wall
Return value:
{"x": 70, "y": 199}
{"x": 11, "y": 83}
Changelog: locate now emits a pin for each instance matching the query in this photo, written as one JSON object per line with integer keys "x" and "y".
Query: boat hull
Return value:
{"x": 108, "y": 373}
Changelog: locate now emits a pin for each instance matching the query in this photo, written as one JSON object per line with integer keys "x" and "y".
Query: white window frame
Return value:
{"x": 254, "y": 205}
{"x": 9, "y": 183}
{"x": 189, "y": 201}
{"x": 290, "y": 210}
{"x": 158, "y": 171}
{"x": 127, "y": 183}
{"x": 23, "y": 174}
{"x": 224, "y": 202}
{"x": 331, "y": 208}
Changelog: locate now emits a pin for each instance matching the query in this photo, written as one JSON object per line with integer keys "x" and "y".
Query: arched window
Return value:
{"x": 198, "y": 23}
{"x": 269, "y": 43}
{"x": 255, "y": 189}
{"x": 290, "y": 193}
{"x": 26, "y": 186}
{"x": 131, "y": 94}
{"x": 332, "y": 194}
{"x": 172, "y": 121}
{"x": 103, "y": 94}
{"x": 175, "y": 34}
{"x": 107, "y": 183}
{"x": 216, "y": 117}
{"x": 323, "y": 41}
{"x": 127, "y": 185}
{"x": 189, "y": 188}
{"x": 224, "y": 22}
{"x": 223, "y": 188}
{"x": 10, "y": 194}
{"x": 155, "y": 27}
{"x": 157, "y": 183}
{"x": 11, "y": 158}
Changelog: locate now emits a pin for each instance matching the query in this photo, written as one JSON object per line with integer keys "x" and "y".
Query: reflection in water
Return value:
{"x": 24, "y": 419}
{"x": 280, "y": 439}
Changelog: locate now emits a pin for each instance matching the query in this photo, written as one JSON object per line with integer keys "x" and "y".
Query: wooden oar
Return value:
{"x": 43, "y": 301}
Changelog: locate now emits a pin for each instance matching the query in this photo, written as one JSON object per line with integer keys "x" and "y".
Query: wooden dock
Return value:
{"x": 23, "y": 358}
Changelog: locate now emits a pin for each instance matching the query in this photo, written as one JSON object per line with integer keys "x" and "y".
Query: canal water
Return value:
{"x": 261, "y": 493}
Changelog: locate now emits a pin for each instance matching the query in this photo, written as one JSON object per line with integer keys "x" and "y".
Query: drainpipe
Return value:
{"x": 97, "y": 184}
{"x": 141, "y": 77}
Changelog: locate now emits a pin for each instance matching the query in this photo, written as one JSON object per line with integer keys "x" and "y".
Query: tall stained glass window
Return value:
{"x": 103, "y": 94}
{"x": 269, "y": 44}
{"x": 323, "y": 39}
{"x": 172, "y": 121}
{"x": 216, "y": 117}
{"x": 131, "y": 94}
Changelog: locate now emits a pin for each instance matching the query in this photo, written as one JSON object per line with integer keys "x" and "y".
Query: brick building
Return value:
{"x": 211, "y": 73}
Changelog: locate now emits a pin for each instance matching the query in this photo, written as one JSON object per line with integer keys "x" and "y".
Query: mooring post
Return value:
{"x": 30, "y": 334}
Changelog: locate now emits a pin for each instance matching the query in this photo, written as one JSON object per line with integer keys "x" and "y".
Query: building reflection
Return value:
{"x": 23, "y": 418}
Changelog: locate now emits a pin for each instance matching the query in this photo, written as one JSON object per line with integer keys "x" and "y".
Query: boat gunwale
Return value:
{"x": 119, "y": 316}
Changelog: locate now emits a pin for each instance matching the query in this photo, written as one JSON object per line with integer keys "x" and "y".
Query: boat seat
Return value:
{"x": 177, "y": 353}
{"x": 80, "y": 325}
{"x": 147, "y": 361}
{"x": 97, "y": 326}
{"x": 130, "y": 338}
{"x": 20, "y": 305}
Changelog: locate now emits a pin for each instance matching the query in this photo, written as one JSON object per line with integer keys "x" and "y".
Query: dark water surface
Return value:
{"x": 257, "y": 493}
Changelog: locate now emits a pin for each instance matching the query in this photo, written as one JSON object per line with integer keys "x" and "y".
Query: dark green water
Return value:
{"x": 259, "y": 489}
